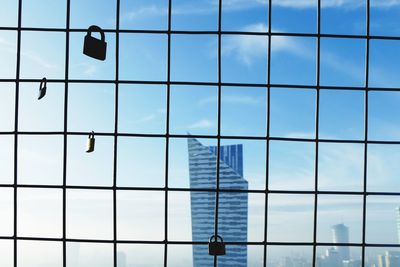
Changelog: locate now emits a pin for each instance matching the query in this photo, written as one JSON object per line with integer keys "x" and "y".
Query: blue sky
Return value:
{"x": 194, "y": 109}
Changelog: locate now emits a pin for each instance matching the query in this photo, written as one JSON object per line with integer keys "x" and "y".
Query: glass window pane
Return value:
{"x": 6, "y": 159}
{"x": 293, "y": 60}
{"x": 380, "y": 255}
{"x": 341, "y": 114}
{"x": 341, "y": 167}
{"x": 244, "y": 59}
{"x": 193, "y": 109}
{"x": 345, "y": 17}
{"x": 40, "y": 159}
{"x": 140, "y": 255}
{"x": 243, "y": 111}
{"x": 189, "y": 256}
{"x": 384, "y": 18}
{"x": 89, "y": 214}
{"x": 194, "y": 58}
{"x": 302, "y": 14}
{"x": 342, "y": 62}
{"x": 194, "y": 15}
{"x": 9, "y": 13}
{"x": 44, "y": 13}
{"x": 7, "y": 253}
{"x": 340, "y": 256}
{"x": 40, "y": 212}
{"x": 30, "y": 254}
{"x": 8, "y": 52}
{"x": 6, "y": 212}
{"x": 241, "y": 217}
{"x": 198, "y": 153}
{"x": 41, "y": 57}
{"x": 46, "y": 114}
{"x": 255, "y": 255}
{"x": 90, "y": 169}
{"x": 89, "y": 12}
{"x": 247, "y": 159}
{"x": 340, "y": 219}
{"x": 87, "y": 68}
{"x": 90, "y": 254}
{"x": 143, "y": 57}
{"x": 290, "y": 218}
{"x": 384, "y": 56}
{"x": 7, "y": 106}
{"x": 144, "y": 14}
{"x": 291, "y": 165}
{"x": 236, "y": 255}
{"x": 382, "y": 215}
{"x": 140, "y": 215}
{"x": 383, "y": 168}
{"x": 141, "y": 162}
{"x": 289, "y": 255}
{"x": 191, "y": 216}
{"x": 245, "y": 16}
{"x": 142, "y": 109}
{"x": 91, "y": 107}
{"x": 293, "y": 113}
{"x": 383, "y": 119}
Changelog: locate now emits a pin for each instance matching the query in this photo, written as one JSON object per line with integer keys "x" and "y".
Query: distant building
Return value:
{"x": 389, "y": 259}
{"x": 233, "y": 207}
{"x": 340, "y": 234}
{"x": 398, "y": 222}
{"x": 331, "y": 258}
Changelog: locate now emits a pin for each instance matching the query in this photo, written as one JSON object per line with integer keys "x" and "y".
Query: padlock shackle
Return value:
{"x": 43, "y": 83}
{"x": 216, "y": 239}
{"x": 91, "y": 134}
{"x": 95, "y": 28}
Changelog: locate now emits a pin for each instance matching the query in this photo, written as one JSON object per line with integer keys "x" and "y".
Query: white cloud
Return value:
{"x": 201, "y": 124}
{"x": 146, "y": 11}
{"x": 231, "y": 99}
{"x": 10, "y": 48}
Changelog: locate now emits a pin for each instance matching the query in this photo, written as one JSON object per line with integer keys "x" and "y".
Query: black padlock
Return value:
{"x": 42, "y": 88}
{"x": 215, "y": 247}
{"x": 94, "y": 47}
{"x": 90, "y": 143}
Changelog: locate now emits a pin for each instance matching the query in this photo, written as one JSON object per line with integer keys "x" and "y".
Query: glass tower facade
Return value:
{"x": 233, "y": 207}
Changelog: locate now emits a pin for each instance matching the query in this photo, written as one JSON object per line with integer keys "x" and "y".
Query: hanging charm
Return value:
{"x": 90, "y": 143}
{"x": 215, "y": 247}
{"x": 42, "y": 88}
{"x": 93, "y": 47}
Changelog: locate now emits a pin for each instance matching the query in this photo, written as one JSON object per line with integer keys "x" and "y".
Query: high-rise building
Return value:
{"x": 398, "y": 222}
{"x": 340, "y": 233}
{"x": 232, "y": 206}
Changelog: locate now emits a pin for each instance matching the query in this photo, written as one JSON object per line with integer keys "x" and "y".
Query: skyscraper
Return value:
{"x": 340, "y": 234}
{"x": 398, "y": 222}
{"x": 233, "y": 207}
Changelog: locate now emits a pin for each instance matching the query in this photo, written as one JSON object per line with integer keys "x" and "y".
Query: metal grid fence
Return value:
{"x": 267, "y": 192}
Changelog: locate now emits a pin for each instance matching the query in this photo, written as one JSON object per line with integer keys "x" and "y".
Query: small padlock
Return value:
{"x": 90, "y": 143}
{"x": 215, "y": 247}
{"x": 42, "y": 88}
{"x": 94, "y": 47}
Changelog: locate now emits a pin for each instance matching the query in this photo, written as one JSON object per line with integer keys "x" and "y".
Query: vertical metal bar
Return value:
{"x": 167, "y": 135}
{"x": 115, "y": 244}
{"x": 268, "y": 133}
{"x": 368, "y": 7}
{"x": 65, "y": 143}
{"x": 219, "y": 124}
{"x": 318, "y": 67}
{"x": 17, "y": 75}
